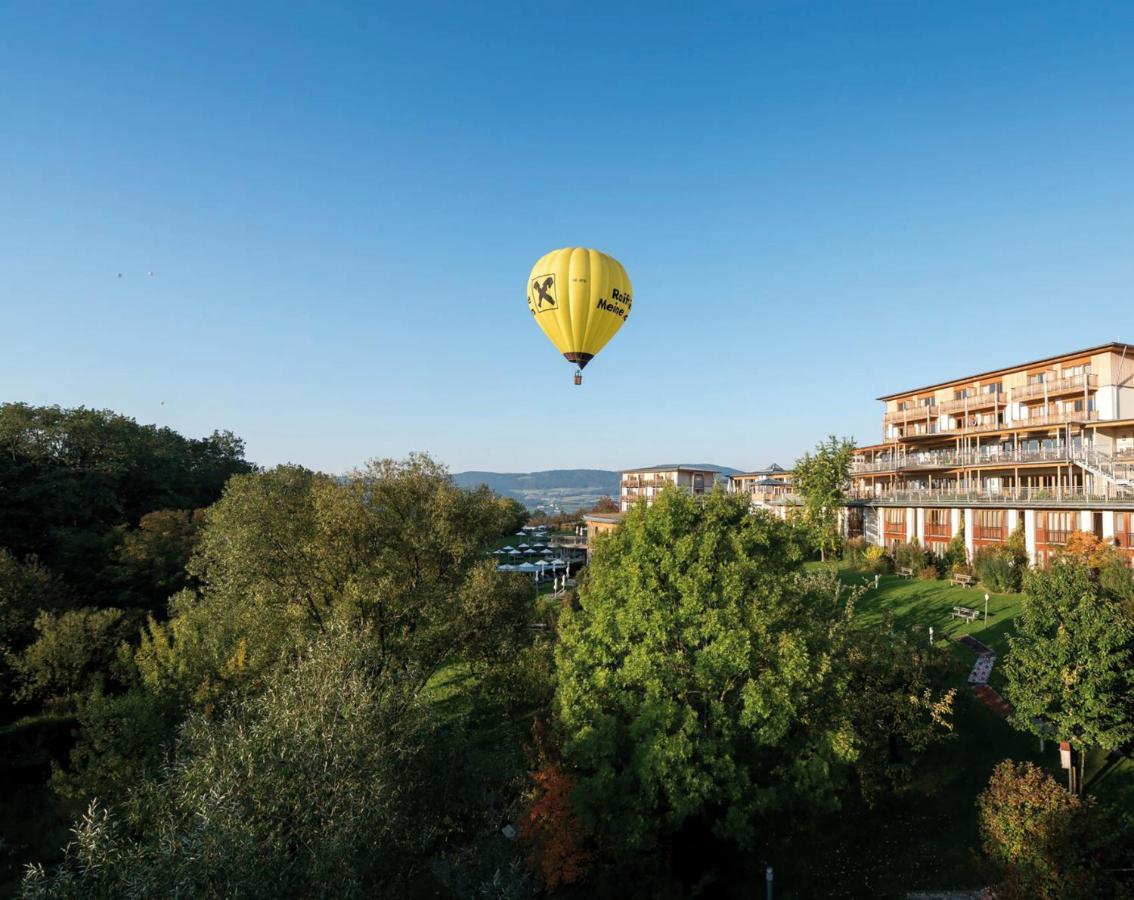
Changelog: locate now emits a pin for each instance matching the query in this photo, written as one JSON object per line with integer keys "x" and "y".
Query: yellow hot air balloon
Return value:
{"x": 580, "y": 298}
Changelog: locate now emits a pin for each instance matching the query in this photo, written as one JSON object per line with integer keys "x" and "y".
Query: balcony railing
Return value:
{"x": 977, "y": 401}
{"x": 913, "y": 414}
{"x": 990, "y": 456}
{"x": 1044, "y": 421}
{"x": 1056, "y": 386}
{"x": 1076, "y": 495}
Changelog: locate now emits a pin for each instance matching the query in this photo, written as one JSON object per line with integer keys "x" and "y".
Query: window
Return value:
{"x": 1058, "y": 526}
{"x": 994, "y": 388}
{"x": 990, "y": 525}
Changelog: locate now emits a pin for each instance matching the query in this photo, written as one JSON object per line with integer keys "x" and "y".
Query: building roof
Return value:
{"x": 1115, "y": 346}
{"x": 611, "y": 518}
{"x": 675, "y": 467}
{"x": 773, "y": 469}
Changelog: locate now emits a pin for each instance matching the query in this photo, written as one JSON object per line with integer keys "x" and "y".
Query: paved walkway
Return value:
{"x": 989, "y": 696}
{"x": 992, "y": 699}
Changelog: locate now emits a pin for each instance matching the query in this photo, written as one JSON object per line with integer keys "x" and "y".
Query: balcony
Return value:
{"x": 1045, "y": 421}
{"x": 1056, "y": 386}
{"x": 1010, "y": 496}
{"x": 985, "y": 456}
{"x": 914, "y": 414}
{"x": 978, "y": 401}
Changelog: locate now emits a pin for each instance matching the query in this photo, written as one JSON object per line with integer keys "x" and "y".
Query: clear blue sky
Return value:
{"x": 817, "y": 203}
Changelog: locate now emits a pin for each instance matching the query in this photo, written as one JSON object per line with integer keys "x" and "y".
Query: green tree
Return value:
{"x": 820, "y": 479}
{"x": 69, "y": 477}
{"x": 1071, "y": 664}
{"x": 705, "y": 682}
{"x": 27, "y": 588}
{"x": 149, "y": 562}
{"x": 73, "y": 653}
{"x": 323, "y": 785}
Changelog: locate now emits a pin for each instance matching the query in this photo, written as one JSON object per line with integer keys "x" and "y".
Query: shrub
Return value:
{"x": 854, "y": 551}
{"x": 956, "y": 554}
{"x": 929, "y": 572}
{"x": 1038, "y": 835}
{"x": 910, "y": 556}
{"x": 877, "y": 560}
{"x": 997, "y": 570}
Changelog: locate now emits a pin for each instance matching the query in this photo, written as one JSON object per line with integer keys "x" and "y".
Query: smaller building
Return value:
{"x": 597, "y": 524}
{"x": 769, "y": 489}
{"x": 646, "y": 484}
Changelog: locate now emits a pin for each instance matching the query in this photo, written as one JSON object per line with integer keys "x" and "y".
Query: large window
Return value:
{"x": 1058, "y": 526}
{"x": 989, "y": 525}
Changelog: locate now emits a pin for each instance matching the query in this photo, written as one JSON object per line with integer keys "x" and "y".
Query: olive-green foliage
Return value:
{"x": 704, "y": 679}
{"x": 26, "y": 590}
{"x": 123, "y": 738}
{"x": 877, "y": 560}
{"x": 322, "y": 785}
{"x": 285, "y": 552}
{"x": 910, "y": 555}
{"x": 854, "y": 552}
{"x": 996, "y": 570}
{"x": 1046, "y": 843}
{"x": 149, "y": 562}
{"x": 73, "y": 653}
{"x": 1071, "y": 665}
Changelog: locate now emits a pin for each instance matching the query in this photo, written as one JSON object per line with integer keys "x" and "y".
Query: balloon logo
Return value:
{"x": 579, "y": 298}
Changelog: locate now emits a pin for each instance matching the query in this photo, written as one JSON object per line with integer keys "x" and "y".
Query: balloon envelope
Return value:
{"x": 579, "y": 298}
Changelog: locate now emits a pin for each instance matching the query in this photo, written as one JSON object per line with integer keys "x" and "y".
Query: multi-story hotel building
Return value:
{"x": 638, "y": 484}
{"x": 1049, "y": 443}
{"x": 769, "y": 489}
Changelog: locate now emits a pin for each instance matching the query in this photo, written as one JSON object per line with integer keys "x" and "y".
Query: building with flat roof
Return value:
{"x": 1048, "y": 442}
{"x": 646, "y": 484}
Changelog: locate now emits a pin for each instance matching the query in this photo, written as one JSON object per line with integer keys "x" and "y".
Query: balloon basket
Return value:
{"x": 578, "y": 376}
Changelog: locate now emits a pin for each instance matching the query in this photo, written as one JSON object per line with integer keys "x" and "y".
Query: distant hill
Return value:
{"x": 554, "y": 489}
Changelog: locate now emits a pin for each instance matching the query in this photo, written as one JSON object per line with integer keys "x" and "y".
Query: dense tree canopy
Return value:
{"x": 705, "y": 680}
{"x": 69, "y": 477}
{"x": 316, "y": 786}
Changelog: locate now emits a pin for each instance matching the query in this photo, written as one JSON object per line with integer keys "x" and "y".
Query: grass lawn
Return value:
{"x": 928, "y": 839}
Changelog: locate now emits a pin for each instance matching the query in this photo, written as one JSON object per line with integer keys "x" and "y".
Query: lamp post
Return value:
{"x": 986, "y": 609}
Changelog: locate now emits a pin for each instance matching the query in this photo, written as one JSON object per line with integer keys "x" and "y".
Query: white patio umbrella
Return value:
{"x": 504, "y": 567}
{"x": 509, "y": 548}
{"x": 521, "y": 534}
{"x": 498, "y": 552}
{"x": 523, "y": 546}
{"x": 558, "y": 562}
{"x": 545, "y": 553}
{"x": 529, "y": 552}
{"x": 515, "y": 553}
{"x": 526, "y": 567}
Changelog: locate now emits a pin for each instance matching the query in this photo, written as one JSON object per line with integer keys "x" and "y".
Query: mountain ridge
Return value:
{"x": 555, "y": 489}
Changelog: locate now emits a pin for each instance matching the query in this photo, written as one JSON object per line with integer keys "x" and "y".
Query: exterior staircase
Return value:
{"x": 1115, "y": 482}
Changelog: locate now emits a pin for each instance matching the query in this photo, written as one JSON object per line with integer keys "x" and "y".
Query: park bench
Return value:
{"x": 963, "y": 612}
{"x": 905, "y": 572}
{"x": 962, "y": 580}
